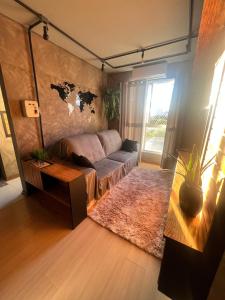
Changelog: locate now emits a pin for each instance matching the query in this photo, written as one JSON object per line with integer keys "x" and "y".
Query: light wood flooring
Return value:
{"x": 148, "y": 166}
{"x": 41, "y": 258}
{"x": 10, "y": 191}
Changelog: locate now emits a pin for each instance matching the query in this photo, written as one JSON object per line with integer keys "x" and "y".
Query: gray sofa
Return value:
{"x": 103, "y": 150}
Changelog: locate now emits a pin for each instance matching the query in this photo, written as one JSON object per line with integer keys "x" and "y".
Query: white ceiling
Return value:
{"x": 109, "y": 27}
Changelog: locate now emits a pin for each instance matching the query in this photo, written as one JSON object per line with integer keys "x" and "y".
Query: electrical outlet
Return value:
{"x": 30, "y": 108}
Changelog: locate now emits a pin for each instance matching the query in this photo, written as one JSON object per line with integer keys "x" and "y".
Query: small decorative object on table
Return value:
{"x": 40, "y": 156}
{"x": 190, "y": 193}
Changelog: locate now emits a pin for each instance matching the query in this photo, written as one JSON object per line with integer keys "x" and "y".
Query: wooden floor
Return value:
{"x": 10, "y": 191}
{"x": 41, "y": 258}
{"x": 148, "y": 166}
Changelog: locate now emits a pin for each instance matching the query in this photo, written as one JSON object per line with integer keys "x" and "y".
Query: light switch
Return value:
{"x": 30, "y": 108}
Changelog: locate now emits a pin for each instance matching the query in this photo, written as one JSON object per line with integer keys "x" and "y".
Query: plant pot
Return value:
{"x": 191, "y": 199}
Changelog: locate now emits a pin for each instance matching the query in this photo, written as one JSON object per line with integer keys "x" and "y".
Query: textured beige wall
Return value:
{"x": 210, "y": 46}
{"x": 6, "y": 149}
{"x": 54, "y": 65}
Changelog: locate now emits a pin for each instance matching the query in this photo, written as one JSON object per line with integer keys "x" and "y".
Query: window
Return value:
{"x": 159, "y": 95}
{"x": 216, "y": 123}
{"x": 215, "y": 131}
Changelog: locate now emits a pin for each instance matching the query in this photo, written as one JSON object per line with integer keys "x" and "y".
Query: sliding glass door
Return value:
{"x": 159, "y": 95}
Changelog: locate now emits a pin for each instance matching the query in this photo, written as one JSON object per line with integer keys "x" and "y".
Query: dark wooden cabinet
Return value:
{"x": 64, "y": 186}
{"x": 193, "y": 248}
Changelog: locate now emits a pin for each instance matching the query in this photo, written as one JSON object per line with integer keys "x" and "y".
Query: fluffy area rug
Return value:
{"x": 136, "y": 208}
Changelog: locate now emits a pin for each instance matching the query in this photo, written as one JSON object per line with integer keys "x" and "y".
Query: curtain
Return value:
{"x": 132, "y": 110}
{"x": 179, "y": 72}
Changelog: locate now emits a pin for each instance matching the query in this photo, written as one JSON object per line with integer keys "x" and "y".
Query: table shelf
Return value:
{"x": 64, "y": 185}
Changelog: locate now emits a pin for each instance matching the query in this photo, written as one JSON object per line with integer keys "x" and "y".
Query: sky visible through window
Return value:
{"x": 161, "y": 97}
{"x": 156, "y": 112}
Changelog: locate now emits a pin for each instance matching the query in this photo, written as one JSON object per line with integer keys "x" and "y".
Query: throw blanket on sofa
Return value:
{"x": 103, "y": 150}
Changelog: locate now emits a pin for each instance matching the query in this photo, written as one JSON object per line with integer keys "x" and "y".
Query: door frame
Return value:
{"x": 2, "y": 169}
{"x": 153, "y": 156}
{"x": 13, "y": 135}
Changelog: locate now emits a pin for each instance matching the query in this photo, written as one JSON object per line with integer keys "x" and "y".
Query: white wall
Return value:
{"x": 6, "y": 149}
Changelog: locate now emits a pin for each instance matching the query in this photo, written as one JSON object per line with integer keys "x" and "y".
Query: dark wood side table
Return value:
{"x": 65, "y": 186}
{"x": 193, "y": 248}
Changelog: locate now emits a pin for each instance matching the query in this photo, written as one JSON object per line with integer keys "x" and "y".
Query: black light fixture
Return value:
{"x": 188, "y": 46}
{"x": 103, "y": 66}
{"x": 188, "y": 37}
{"x": 45, "y": 32}
{"x": 142, "y": 55}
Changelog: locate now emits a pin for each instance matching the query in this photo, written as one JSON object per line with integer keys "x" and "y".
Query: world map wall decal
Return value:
{"x": 81, "y": 99}
{"x": 86, "y": 98}
{"x": 64, "y": 89}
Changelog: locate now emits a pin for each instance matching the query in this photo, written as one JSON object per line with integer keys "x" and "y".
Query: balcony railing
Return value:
{"x": 154, "y": 133}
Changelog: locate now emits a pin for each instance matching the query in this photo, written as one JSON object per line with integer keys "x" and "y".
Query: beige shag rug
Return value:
{"x": 136, "y": 208}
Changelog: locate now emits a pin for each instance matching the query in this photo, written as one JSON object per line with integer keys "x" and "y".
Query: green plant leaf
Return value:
{"x": 208, "y": 163}
{"x": 40, "y": 154}
{"x": 111, "y": 103}
{"x": 193, "y": 168}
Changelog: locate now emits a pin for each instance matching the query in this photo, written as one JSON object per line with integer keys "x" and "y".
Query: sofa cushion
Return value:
{"x": 129, "y": 145}
{"x": 123, "y": 156}
{"x": 110, "y": 140}
{"x": 108, "y": 173}
{"x": 87, "y": 145}
{"x": 82, "y": 161}
{"x": 130, "y": 159}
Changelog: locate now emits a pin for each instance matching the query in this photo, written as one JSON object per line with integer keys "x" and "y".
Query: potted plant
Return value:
{"x": 190, "y": 193}
{"x": 111, "y": 99}
{"x": 40, "y": 156}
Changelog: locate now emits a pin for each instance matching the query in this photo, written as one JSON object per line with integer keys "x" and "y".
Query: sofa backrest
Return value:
{"x": 86, "y": 144}
{"x": 110, "y": 140}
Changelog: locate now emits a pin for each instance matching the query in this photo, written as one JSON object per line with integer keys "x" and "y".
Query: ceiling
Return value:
{"x": 109, "y": 27}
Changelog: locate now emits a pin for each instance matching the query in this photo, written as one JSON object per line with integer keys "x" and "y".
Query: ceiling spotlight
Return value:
{"x": 45, "y": 32}
{"x": 188, "y": 46}
{"x": 103, "y": 66}
{"x": 142, "y": 55}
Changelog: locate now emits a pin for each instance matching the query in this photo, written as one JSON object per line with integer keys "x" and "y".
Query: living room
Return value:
{"x": 107, "y": 110}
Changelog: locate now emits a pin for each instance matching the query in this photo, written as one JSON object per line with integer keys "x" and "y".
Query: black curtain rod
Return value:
{"x": 104, "y": 59}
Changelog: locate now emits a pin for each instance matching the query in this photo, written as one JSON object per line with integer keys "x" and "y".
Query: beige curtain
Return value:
{"x": 132, "y": 110}
{"x": 181, "y": 73}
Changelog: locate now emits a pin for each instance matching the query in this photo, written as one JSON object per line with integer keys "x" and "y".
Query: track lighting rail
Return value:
{"x": 153, "y": 46}
{"x": 104, "y": 60}
{"x": 35, "y": 76}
